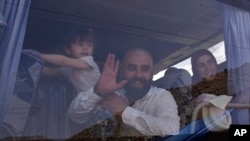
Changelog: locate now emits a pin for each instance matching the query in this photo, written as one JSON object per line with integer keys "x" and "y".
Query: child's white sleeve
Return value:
{"x": 89, "y": 60}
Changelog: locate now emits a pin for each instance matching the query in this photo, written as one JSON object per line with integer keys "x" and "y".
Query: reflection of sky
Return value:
{"x": 218, "y": 50}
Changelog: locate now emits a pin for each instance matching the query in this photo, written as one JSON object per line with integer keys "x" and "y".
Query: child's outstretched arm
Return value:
{"x": 64, "y": 61}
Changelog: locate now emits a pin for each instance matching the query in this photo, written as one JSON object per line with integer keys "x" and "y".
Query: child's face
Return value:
{"x": 80, "y": 49}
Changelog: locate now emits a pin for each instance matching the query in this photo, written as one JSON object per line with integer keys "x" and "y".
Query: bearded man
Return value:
{"x": 149, "y": 110}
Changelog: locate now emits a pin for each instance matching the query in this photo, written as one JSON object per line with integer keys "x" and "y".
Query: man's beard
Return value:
{"x": 134, "y": 93}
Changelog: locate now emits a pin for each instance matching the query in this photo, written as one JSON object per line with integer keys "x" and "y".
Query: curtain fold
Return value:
{"x": 237, "y": 46}
{"x": 15, "y": 13}
{"x": 48, "y": 116}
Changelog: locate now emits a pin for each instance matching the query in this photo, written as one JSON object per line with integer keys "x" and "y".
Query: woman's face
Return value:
{"x": 206, "y": 67}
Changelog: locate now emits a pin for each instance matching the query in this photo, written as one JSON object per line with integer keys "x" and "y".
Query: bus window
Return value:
{"x": 170, "y": 31}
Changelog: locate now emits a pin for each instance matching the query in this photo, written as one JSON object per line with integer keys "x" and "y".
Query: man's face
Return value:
{"x": 137, "y": 70}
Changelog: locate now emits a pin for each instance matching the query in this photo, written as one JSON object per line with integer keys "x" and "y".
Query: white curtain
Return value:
{"x": 15, "y": 14}
{"x": 237, "y": 45}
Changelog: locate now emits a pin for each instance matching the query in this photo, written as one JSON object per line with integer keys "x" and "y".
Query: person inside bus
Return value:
{"x": 207, "y": 78}
{"x": 178, "y": 82}
{"x": 145, "y": 109}
{"x": 207, "y": 82}
{"x": 81, "y": 71}
{"x": 79, "y": 66}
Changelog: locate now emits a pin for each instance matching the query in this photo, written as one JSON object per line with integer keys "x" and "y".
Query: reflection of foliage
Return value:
{"x": 33, "y": 138}
{"x": 183, "y": 98}
{"x": 217, "y": 86}
{"x": 225, "y": 82}
{"x": 99, "y": 130}
{"x": 94, "y": 133}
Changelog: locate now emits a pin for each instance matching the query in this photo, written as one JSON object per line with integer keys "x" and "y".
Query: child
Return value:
{"x": 80, "y": 68}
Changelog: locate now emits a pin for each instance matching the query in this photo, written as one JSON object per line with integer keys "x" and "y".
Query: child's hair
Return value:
{"x": 82, "y": 33}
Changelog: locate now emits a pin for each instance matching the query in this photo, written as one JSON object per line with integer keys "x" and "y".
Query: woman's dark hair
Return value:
{"x": 82, "y": 33}
{"x": 194, "y": 58}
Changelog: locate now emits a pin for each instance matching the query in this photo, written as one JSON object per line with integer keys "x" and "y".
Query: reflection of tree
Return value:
{"x": 217, "y": 86}
{"x": 183, "y": 98}
{"x": 26, "y": 138}
{"x": 224, "y": 83}
{"x": 82, "y": 136}
{"x": 121, "y": 132}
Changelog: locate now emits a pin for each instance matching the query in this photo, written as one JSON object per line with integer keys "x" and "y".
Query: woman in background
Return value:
{"x": 207, "y": 78}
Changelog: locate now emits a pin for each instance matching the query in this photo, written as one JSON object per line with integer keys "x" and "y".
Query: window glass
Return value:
{"x": 67, "y": 44}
